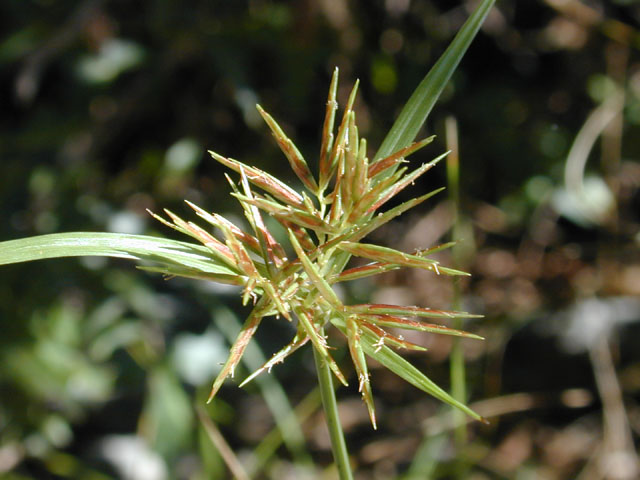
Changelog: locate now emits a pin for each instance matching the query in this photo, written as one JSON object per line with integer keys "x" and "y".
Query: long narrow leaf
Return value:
{"x": 408, "y": 372}
{"x": 419, "y": 105}
{"x": 135, "y": 247}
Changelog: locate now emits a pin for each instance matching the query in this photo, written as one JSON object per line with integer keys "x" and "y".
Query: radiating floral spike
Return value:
{"x": 384, "y": 254}
{"x": 324, "y": 232}
{"x": 219, "y": 249}
{"x": 319, "y": 343}
{"x": 298, "y": 341}
{"x": 263, "y": 180}
{"x": 237, "y": 349}
{"x": 271, "y": 251}
{"x": 399, "y": 322}
{"x": 402, "y": 184}
{"x": 327, "y": 131}
{"x": 297, "y": 216}
{"x": 296, "y": 160}
{"x": 360, "y": 363}
{"x": 360, "y": 176}
{"x": 315, "y": 277}
{"x": 342, "y": 139}
{"x": 383, "y": 309}
{"x": 377, "y": 221}
{"x": 363, "y": 205}
{"x": 350, "y": 159}
{"x": 396, "y": 158}
{"x": 386, "y": 338}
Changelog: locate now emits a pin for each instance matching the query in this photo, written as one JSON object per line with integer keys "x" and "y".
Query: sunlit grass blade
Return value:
{"x": 419, "y": 105}
{"x": 385, "y": 254}
{"x": 135, "y": 247}
{"x": 263, "y": 180}
{"x": 296, "y": 160}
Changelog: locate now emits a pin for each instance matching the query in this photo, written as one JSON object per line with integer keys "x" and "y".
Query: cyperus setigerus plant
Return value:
{"x": 325, "y": 225}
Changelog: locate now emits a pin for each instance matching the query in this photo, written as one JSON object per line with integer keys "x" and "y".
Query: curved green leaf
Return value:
{"x": 136, "y": 247}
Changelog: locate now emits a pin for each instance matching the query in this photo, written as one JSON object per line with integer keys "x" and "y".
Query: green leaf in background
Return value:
{"x": 419, "y": 105}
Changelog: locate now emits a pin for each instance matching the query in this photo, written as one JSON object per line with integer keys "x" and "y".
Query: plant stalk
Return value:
{"x": 327, "y": 392}
{"x": 458, "y": 371}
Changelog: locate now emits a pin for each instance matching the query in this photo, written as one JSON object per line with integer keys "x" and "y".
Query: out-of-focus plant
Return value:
{"x": 325, "y": 226}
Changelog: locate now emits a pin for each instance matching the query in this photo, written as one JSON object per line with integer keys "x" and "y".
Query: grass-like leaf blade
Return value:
{"x": 135, "y": 247}
{"x": 419, "y": 105}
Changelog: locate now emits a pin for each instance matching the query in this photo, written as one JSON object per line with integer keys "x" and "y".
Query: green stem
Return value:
{"x": 458, "y": 370}
{"x": 338, "y": 444}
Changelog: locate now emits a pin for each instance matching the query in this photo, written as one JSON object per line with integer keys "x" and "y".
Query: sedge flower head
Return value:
{"x": 325, "y": 226}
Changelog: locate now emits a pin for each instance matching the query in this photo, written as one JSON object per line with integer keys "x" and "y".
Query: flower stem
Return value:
{"x": 338, "y": 444}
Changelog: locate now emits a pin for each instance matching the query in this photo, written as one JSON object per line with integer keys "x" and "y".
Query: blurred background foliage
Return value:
{"x": 108, "y": 108}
